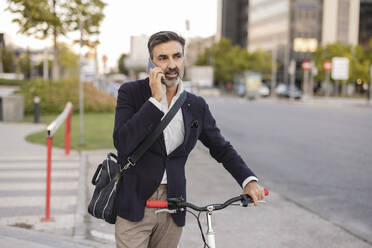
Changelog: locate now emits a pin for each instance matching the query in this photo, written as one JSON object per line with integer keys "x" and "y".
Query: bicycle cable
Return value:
{"x": 200, "y": 227}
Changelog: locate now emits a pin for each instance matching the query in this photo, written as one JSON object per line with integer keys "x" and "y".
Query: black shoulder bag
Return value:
{"x": 109, "y": 172}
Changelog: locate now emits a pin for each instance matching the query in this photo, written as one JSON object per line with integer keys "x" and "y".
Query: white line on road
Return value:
{"x": 57, "y": 202}
{"x": 38, "y": 174}
{"x": 37, "y": 186}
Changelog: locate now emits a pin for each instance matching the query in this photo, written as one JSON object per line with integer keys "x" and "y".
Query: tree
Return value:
{"x": 88, "y": 13}
{"x": 121, "y": 64}
{"x": 227, "y": 60}
{"x": 25, "y": 65}
{"x": 44, "y": 19}
{"x": 359, "y": 60}
{"x": 68, "y": 60}
{"x": 8, "y": 60}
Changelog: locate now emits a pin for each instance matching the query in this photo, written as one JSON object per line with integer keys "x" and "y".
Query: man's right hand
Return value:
{"x": 155, "y": 83}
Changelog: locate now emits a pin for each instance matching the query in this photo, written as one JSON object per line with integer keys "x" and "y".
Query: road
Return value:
{"x": 318, "y": 157}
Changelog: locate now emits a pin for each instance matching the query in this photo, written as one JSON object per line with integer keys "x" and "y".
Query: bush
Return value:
{"x": 55, "y": 95}
{"x": 11, "y": 82}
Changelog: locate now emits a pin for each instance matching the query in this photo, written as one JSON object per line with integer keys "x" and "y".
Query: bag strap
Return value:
{"x": 151, "y": 138}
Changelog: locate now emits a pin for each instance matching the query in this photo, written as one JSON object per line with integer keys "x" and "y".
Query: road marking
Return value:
{"x": 37, "y": 186}
{"x": 56, "y": 202}
{"x": 38, "y": 174}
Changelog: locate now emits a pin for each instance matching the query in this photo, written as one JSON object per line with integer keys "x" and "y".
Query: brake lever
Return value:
{"x": 170, "y": 211}
{"x": 250, "y": 204}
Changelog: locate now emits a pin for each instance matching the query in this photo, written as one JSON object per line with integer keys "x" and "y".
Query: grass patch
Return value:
{"x": 98, "y": 129}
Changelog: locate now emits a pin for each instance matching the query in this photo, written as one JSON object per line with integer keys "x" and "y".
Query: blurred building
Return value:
{"x": 139, "y": 55}
{"x": 365, "y": 22}
{"x": 292, "y": 28}
{"x": 194, "y": 47}
{"x": 232, "y": 21}
{"x": 341, "y": 21}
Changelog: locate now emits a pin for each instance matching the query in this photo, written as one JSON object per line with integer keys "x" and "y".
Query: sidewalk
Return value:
{"x": 22, "y": 191}
{"x": 12, "y": 237}
{"x": 278, "y": 223}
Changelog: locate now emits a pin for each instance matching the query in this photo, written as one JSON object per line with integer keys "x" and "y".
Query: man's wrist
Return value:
{"x": 248, "y": 180}
{"x": 155, "y": 102}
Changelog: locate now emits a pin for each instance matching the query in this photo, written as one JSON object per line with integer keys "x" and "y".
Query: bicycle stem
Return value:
{"x": 210, "y": 232}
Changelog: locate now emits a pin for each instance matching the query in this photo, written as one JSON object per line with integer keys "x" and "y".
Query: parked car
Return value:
{"x": 264, "y": 90}
{"x": 284, "y": 90}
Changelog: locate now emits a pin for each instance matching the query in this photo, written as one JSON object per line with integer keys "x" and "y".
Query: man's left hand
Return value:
{"x": 255, "y": 191}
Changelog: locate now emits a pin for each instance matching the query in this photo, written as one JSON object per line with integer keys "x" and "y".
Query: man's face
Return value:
{"x": 169, "y": 57}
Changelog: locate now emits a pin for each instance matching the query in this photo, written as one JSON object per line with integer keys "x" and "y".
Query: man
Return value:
{"x": 160, "y": 173}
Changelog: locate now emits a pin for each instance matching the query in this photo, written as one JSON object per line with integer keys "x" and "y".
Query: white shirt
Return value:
{"x": 174, "y": 133}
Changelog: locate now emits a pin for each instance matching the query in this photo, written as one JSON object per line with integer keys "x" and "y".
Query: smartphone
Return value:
{"x": 151, "y": 65}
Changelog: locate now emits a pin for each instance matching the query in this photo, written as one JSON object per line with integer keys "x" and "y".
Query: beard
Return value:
{"x": 171, "y": 81}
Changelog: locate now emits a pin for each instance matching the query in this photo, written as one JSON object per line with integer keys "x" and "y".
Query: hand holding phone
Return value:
{"x": 156, "y": 77}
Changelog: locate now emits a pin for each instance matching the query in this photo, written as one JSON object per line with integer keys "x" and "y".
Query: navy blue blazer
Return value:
{"x": 135, "y": 118}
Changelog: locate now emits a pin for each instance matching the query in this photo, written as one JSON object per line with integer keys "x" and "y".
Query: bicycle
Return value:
{"x": 173, "y": 205}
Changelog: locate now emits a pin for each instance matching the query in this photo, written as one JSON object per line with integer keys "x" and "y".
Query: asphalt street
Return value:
{"x": 318, "y": 157}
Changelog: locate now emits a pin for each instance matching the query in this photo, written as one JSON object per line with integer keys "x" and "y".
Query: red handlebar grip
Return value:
{"x": 266, "y": 191}
{"x": 156, "y": 204}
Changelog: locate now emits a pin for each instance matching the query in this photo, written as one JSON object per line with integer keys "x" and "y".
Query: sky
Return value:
{"x": 126, "y": 18}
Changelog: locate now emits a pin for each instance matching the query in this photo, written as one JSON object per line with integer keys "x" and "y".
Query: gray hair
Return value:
{"x": 162, "y": 37}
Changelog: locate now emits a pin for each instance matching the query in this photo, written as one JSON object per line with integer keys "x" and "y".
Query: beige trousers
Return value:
{"x": 153, "y": 231}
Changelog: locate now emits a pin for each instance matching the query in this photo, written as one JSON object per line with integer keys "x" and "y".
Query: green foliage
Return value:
{"x": 55, "y": 95}
{"x": 68, "y": 61}
{"x": 8, "y": 60}
{"x": 228, "y": 59}
{"x": 89, "y": 13}
{"x": 359, "y": 60}
{"x": 36, "y": 17}
{"x": 11, "y": 82}
{"x": 25, "y": 66}
{"x": 44, "y": 19}
{"x": 122, "y": 68}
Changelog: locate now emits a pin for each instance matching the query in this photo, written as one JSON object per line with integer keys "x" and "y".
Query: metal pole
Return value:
{"x": 305, "y": 84}
{"x": 311, "y": 84}
{"x": 292, "y": 72}
{"x": 336, "y": 88}
{"x": 68, "y": 134}
{"x": 327, "y": 83}
{"x": 48, "y": 178}
{"x": 81, "y": 89}
{"x": 286, "y": 61}
{"x": 36, "y": 109}
{"x": 273, "y": 71}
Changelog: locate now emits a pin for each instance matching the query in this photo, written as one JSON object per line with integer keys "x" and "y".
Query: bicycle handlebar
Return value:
{"x": 180, "y": 203}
